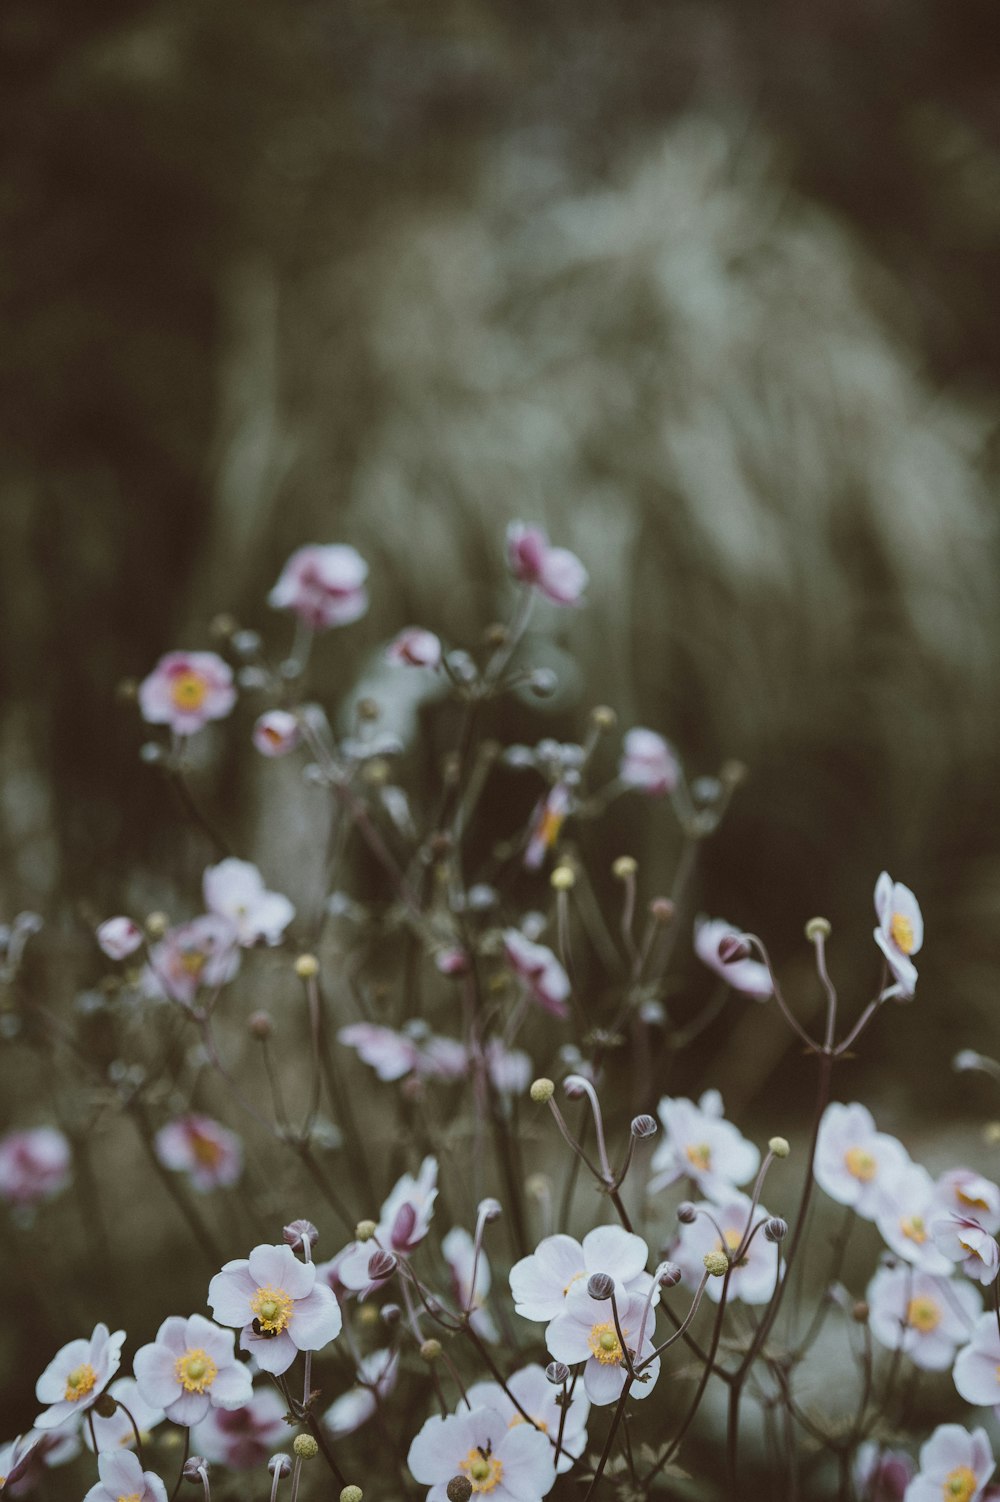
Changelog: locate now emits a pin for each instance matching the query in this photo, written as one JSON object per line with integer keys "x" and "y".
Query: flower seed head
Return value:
{"x": 430, "y": 1350}
{"x": 779, "y": 1147}
{"x": 541, "y": 1091}
{"x": 775, "y": 1229}
{"x": 644, "y": 1126}
{"x": 818, "y": 928}
{"x": 157, "y": 925}
{"x": 603, "y": 718}
{"x": 624, "y": 867}
{"x": 716, "y": 1264}
{"x": 459, "y": 1489}
{"x": 365, "y": 1230}
{"x": 686, "y": 1213}
{"x": 733, "y": 773}
{"x": 600, "y": 1286}
{"x": 351, "y": 1494}
{"x": 991, "y": 1133}
{"x": 557, "y": 1373}
{"x": 306, "y": 966}
{"x": 563, "y": 878}
{"x": 305, "y": 1447}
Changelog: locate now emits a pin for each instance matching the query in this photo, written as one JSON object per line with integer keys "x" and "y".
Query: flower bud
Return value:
{"x": 541, "y": 1091}
{"x": 305, "y": 1447}
{"x": 381, "y": 1265}
{"x": 775, "y": 1229}
{"x": 106, "y": 1406}
{"x": 967, "y": 1058}
{"x": 539, "y": 1186}
{"x": 600, "y": 1286}
{"x": 573, "y": 1087}
{"x": 390, "y": 1314}
{"x": 624, "y": 867}
{"x": 732, "y": 948}
{"x": 459, "y": 1489}
{"x": 818, "y": 928}
{"x": 563, "y": 878}
{"x": 543, "y": 683}
{"x": 157, "y": 925}
{"x": 603, "y": 718}
{"x": 557, "y": 1372}
{"x": 298, "y": 1233}
{"x": 779, "y": 1147}
{"x": 669, "y": 1275}
{"x": 365, "y": 1230}
{"x": 368, "y": 1314}
{"x": 430, "y": 1350}
{"x": 860, "y": 1312}
{"x": 644, "y": 1126}
{"x": 276, "y": 733}
{"x": 686, "y": 1213}
{"x": 662, "y": 910}
{"x": 260, "y": 1026}
{"x": 351, "y": 1494}
{"x": 716, "y": 1264}
{"x": 490, "y": 1210}
{"x": 306, "y": 966}
{"x": 279, "y": 1465}
{"x": 194, "y": 1468}
{"x": 246, "y": 643}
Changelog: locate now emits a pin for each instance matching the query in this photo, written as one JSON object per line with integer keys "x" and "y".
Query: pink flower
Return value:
{"x": 393, "y": 1055}
{"x": 403, "y": 1223}
{"x": 977, "y": 1366}
{"x": 119, "y": 937}
{"x": 648, "y": 763}
{"x": 748, "y": 976}
{"x": 510, "y": 1069}
{"x": 953, "y": 1464}
{"x": 415, "y": 648}
{"x": 34, "y": 1165}
{"x": 882, "y": 1475}
{"x": 187, "y": 689}
{"x": 555, "y": 572}
{"x": 960, "y": 1191}
{"x": 453, "y": 961}
{"x": 75, "y": 1378}
{"x": 540, "y": 971}
{"x": 278, "y": 1304}
{"x": 511, "y": 1464}
{"x": 191, "y": 1367}
{"x": 546, "y": 825}
{"x": 325, "y": 586}
{"x": 235, "y": 890}
{"x": 207, "y": 1152}
{"x": 204, "y": 952}
{"x": 962, "y": 1239}
{"x": 276, "y": 733}
{"x": 243, "y": 1438}
{"x": 900, "y": 931}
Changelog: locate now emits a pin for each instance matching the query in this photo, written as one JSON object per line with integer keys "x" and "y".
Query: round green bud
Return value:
{"x": 818, "y": 928}
{"x": 430, "y": 1350}
{"x": 351, "y": 1494}
{"x": 541, "y": 1091}
{"x": 778, "y": 1146}
{"x": 563, "y": 878}
{"x": 305, "y": 1447}
{"x": 106, "y": 1406}
{"x": 624, "y": 867}
{"x": 306, "y": 966}
{"x": 716, "y": 1264}
{"x": 365, "y": 1230}
{"x": 157, "y": 925}
{"x": 603, "y": 717}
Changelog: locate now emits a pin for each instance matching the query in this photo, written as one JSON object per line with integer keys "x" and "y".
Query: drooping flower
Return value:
{"x": 38, "y": 1451}
{"x": 34, "y": 1165}
{"x": 977, "y": 1365}
{"x": 962, "y": 1192}
{"x": 276, "y": 732}
{"x": 470, "y": 1280}
{"x": 749, "y": 976}
{"x": 721, "y": 1228}
{"x": 16, "y": 1460}
{"x": 648, "y": 763}
{"x": 908, "y": 1207}
{"x": 119, "y": 937}
{"x": 124, "y": 1480}
{"x": 116, "y": 1432}
{"x": 698, "y": 1144}
{"x": 187, "y": 689}
{"x": 277, "y": 1303}
{"x": 208, "y": 1152}
{"x": 962, "y": 1239}
{"x": 546, "y": 824}
{"x": 416, "y": 648}
{"x": 509, "y": 1465}
{"x": 539, "y": 969}
{"x": 376, "y": 1379}
{"x": 900, "y": 931}
{"x": 235, "y": 890}
{"x": 541, "y": 1282}
{"x": 925, "y": 1317}
{"x": 555, "y": 572}
{"x": 954, "y": 1466}
{"x": 585, "y": 1330}
{"x": 854, "y": 1161}
{"x": 191, "y": 1367}
{"x": 393, "y": 1055}
{"x": 243, "y": 1438}
{"x": 540, "y": 1401}
{"x": 324, "y": 586}
{"x": 204, "y": 952}
{"x": 882, "y": 1475}
{"x": 77, "y": 1375}
{"x": 402, "y": 1225}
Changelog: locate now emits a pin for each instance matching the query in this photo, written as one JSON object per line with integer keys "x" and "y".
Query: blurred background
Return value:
{"x": 708, "y": 290}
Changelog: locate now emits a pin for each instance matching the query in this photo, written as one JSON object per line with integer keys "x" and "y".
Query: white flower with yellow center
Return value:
{"x": 700, "y": 1145}
{"x": 925, "y": 1317}
{"x": 116, "y": 1432}
{"x": 278, "y": 1304}
{"x": 124, "y": 1480}
{"x": 190, "y": 1367}
{"x": 187, "y": 689}
{"x": 541, "y": 1282}
{"x": 506, "y": 1463}
{"x": 235, "y": 890}
{"x": 75, "y": 1378}
{"x": 854, "y": 1162}
{"x": 905, "y": 1215}
{"x": 585, "y": 1330}
{"x": 962, "y": 1192}
{"x": 721, "y": 1228}
{"x": 539, "y": 1400}
{"x": 977, "y": 1367}
{"x": 900, "y": 931}
{"x": 954, "y": 1466}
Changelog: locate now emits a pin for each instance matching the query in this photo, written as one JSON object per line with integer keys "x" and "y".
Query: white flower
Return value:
{"x": 699, "y": 1145}
{"x": 75, "y": 1378}
{"x": 908, "y": 1206}
{"x": 540, "y": 1401}
{"x": 124, "y": 1480}
{"x": 585, "y": 1330}
{"x": 191, "y": 1367}
{"x": 900, "y": 931}
{"x": 458, "y": 1249}
{"x": 977, "y": 1367}
{"x": 954, "y": 1466}
{"x": 927, "y": 1318}
{"x": 510, "y": 1465}
{"x": 235, "y": 890}
{"x": 324, "y": 586}
{"x": 187, "y": 689}
{"x": 204, "y": 952}
{"x": 748, "y": 975}
{"x": 854, "y": 1162}
{"x": 393, "y": 1055}
{"x": 962, "y": 1239}
{"x": 648, "y": 763}
{"x": 541, "y": 1281}
{"x": 116, "y": 1433}
{"x": 376, "y": 1379}
{"x": 416, "y": 648}
{"x": 119, "y": 937}
{"x": 964, "y": 1193}
{"x": 721, "y": 1228}
{"x": 278, "y": 1303}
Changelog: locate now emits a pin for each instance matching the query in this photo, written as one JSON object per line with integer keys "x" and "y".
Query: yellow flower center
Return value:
{"x": 700, "y": 1157}
{"x": 912, "y": 1227}
{"x": 574, "y": 1279}
{"x": 132, "y": 1497}
{"x": 974, "y": 1201}
{"x": 860, "y": 1164}
{"x": 549, "y": 827}
{"x": 273, "y": 1308}
{"x": 901, "y": 930}
{"x": 79, "y": 1382}
{"x": 960, "y": 1485}
{"x": 605, "y": 1345}
{"x": 195, "y": 1370}
{"x": 188, "y": 690}
{"x": 923, "y": 1314}
{"x": 519, "y": 1418}
{"x": 192, "y": 960}
{"x": 484, "y": 1471}
{"x": 206, "y": 1150}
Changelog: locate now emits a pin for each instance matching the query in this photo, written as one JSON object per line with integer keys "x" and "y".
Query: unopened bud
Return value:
{"x": 490, "y": 1210}
{"x": 305, "y": 1447}
{"x": 539, "y": 1186}
{"x": 602, "y": 717}
{"x": 686, "y": 1213}
{"x": 368, "y": 1314}
{"x": 390, "y": 1314}
{"x": 557, "y": 1372}
{"x": 541, "y": 1091}
{"x": 624, "y": 867}
{"x": 306, "y": 966}
{"x": 716, "y": 1264}
{"x": 157, "y": 924}
{"x": 860, "y": 1312}
{"x": 365, "y": 1230}
{"x": 351, "y": 1494}
{"x": 669, "y": 1275}
{"x": 106, "y": 1406}
{"x": 543, "y": 683}
{"x": 563, "y": 878}
{"x": 779, "y": 1147}
{"x": 732, "y": 948}
{"x": 260, "y": 1026}
{"x": 299, "y": 1233}
{"x": 194, "y": 1468}
{"x": 430, "y": 1350}
{"x": 967, "y": 1058}
{"x": 573, "y": 1087}
{"x": 818, "y": 928}
{"x": 600, "y": 1286}
{"x": 381, "y": 1265}
{"x": 279, "y": 1465}
{"x": 644, "y": 1126}
{"x": 459, "y": 1489}
{"x": 775, "y": 1229}
{"x": 662, "y": 910}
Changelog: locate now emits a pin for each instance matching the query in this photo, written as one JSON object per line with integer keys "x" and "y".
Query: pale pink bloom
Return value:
{"x": 546, "y": 823}
{"x": 453, "y": 961}
{"x": 954, "y": 1466}
{"x": 36, "y": 1453}
{"x": 511, "y": 1465}
{"x": 278, "y": 1304}
{"x": 854, "y": 1161}
{"x": 555, "y": 572}
{"x": 325, "y": 586}
{"x": 191, "y": 1367}
{"x": 510, "y": 1069}
{"x": 962, "y": 1192}
{"x": 541, "y": 1282}
{"x": 539, "y": 1399}
{"x": 235, "y": 890}
{"x": 116, "y": 1433}
{"x": 276, "y": 732}
{"x": 124, "y": 1480}
{"x": 882, "y": 1475}
{"x": 75, "y": 1378}
{"x": 403, "y": 1223}
{"x": 204, "y": 952}
{"x": 904, "y": 1217}
{"x": 119, "y": 937}
{"x": 16, "y": 1460}
{"x": 927, "y": 1318}
{"x": 393, "y": 1055}
{"x": 540, "y": 970}
{"x": 963, "y": 1240}
{"x": 376, "y": 1380}
{"x": 900, "y": 931}
{"x": 977, "y": 1367}
{"x": 749, "y": 976}
{"x": 187, "y": 689}
{"x": 458, "y": 1249}
{"x": 585, "y": 1330}
{"x": 34, "y": 1165}
{"x": 648, "y": 763}
{"x": 243, "y": 1438}
{"x": 210, "y": 1154}
{"x": 698, "y": 1144}
{"x": 721, "y": 1228}
{"x": 415, "y": 648}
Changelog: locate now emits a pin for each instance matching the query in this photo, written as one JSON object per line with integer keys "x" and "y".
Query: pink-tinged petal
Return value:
{"x": 233, "y": 1387}
{"x": 273, "y": 1354}
{"x": 603, "y": 1382}
{"x": 528, "y": 1469}
{"x": 190, "y": 1408}
{"x": 563, "y": 578}
{"x": 173, "y": 1334}
{"x": 230, "y": 1292}
{"x": 316, "y": 1320}
{"x": 155, "y": 1372}
{"x": 278, "y": 1267}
